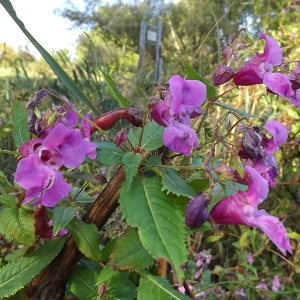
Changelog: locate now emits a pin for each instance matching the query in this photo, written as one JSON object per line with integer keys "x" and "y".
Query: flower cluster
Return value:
{"x": 181, "y": 103}
{"x": 58, "y": 145}
{"x": 262, "y": 69}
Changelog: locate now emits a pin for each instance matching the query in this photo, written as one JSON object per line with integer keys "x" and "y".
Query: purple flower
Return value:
{"x": 187, "y": 96}
{"x": 259, "y": 69}
{"x": 38, "y": 171}
{"x": 250, "y": 258}
{"x": 262, "y": 285}
{"x": 276, "y": 284}
{"x": 181, "y": 104}
{"x": 240, "y": 293}
{"x": 241, "y": 208}
{"x": 254, "y": 70}
{"x": 180, "y": 138}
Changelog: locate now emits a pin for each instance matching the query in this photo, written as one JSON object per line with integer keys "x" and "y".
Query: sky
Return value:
{"x": 51, "y": 31}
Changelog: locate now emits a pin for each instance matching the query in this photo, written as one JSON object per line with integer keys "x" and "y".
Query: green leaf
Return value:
{"x": 61, "y": 74}
{"x": 175, "y": 184}
{"x": 117, "y": 284}
{"x": 12, "y": 256}
{"x": 119, "y": 287}
{"x": 199, "y": 184}
{"x": 61, "y": 217}
{"x": 112, "y": 90}
{"x": 15, "y": 275}
{"x": 129, "y": 253}
{"x": 192, "y": 74}
{"x": 107, "y": 250}
{"x": 83, "y": 283}
{"x": 19, "y": 117}
{"x": 160, "y": 224}
{"x": 131, "y": 162}
{"x": 232, "y": 109}
{"x": 152, "y": 136}
{"x": 156, "y": 288}
{"x": 86, "y": 237}
{"x": 132, "y": 137}
{"x": 106, "y": 274}
{"x": 8, "y": 200}
{"x": 153, "y": 160}
{"x": 108, "y": 154}
{"x": 19, "y": 224}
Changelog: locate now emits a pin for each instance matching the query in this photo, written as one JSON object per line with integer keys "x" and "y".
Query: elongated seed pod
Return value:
{"x": 109, "y": 119}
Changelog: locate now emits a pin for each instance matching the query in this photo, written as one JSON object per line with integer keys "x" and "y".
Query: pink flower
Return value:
{"x": 241, "y": 208}
{"x": 181, "y": 103}
{"x": 259, "y": 69}
{"x": 250, "y": 258}
{"x": 38, "y": 171}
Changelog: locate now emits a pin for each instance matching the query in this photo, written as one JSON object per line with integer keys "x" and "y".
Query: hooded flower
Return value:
{"x": 241, "y": 208}
{"x": 38, "y": 171}
{"x": 259, "y": 69}
{"x": 181, "y": 103}
{"x": 258, "y": 150}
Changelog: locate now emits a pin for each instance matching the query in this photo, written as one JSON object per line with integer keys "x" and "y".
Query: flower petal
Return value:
{"x": 279, "y": 84}
{"x": 180, "y": 138}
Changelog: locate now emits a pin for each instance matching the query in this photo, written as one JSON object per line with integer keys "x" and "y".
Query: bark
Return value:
{"x": 50, "y": 285}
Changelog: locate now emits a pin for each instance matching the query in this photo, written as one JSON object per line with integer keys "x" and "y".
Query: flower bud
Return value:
{"x": 121, "y": 137}
{"x": 196, "y": 212}
{"x": 225, "y": 172}
{"x": 223, "y": 74}
{"x": 251, "y": 144}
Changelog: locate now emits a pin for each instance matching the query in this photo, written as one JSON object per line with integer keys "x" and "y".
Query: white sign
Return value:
{"x": 151, "y": 36}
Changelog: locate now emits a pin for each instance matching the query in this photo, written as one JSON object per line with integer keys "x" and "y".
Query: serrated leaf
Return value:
{"x": 86, "y": 237}
{"x": 156, "y": 288}
{"x": 120, "y": 287}
{"x": 106, "y": 274}
{"x": 153, "y": 160}
{"x": 17, "y": 274}
{"x": 61, "y": 74}
{"x": 19, "y": 224}
{"x": 175, "y": 184}
{"x": 108, "y": 154}
{"x": 19, "y": 117}
{"x": 107, "y": 250}
{"x": 8, "y": 200}
{"x": 129, "y": 253}
{"x": 231, "y": 108}
{"x": 131, "y": 162}
{"x": 152, "y": 136}
{"x": 61, "y": 217}
{"x": 82, "y": 283}
{"x": 132, "y": 137}
{"x": 192, "y": 74}
{"x": 12, "y": 256}
{"x": 160, "y": 224}
{"x": 199, "y": 184}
